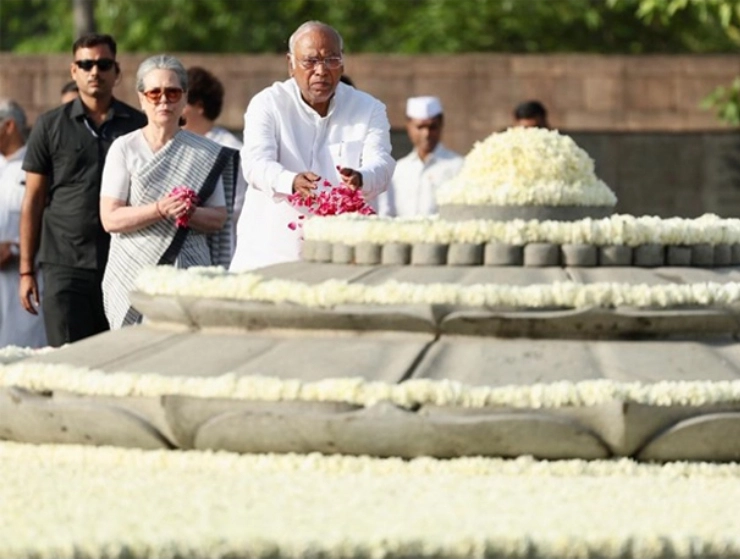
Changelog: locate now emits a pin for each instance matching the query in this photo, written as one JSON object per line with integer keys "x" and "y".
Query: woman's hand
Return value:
{"x": 173, "y": 207}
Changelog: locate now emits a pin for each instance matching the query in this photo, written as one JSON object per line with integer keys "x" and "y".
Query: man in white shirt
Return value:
{"x": 421, "y": 172}
{"x": 17, "y": 327}
{"x": 300, "y": 133}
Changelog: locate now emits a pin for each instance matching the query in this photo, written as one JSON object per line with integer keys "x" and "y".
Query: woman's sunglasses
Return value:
{"x": 171, "y": 94}
{"x": 103, "y": 64}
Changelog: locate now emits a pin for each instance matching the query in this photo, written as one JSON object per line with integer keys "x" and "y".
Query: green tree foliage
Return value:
{"x": 722, "y": 14}
{"x": 386, "y": 26}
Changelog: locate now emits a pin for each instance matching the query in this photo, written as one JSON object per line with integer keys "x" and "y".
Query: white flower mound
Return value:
{"x": 73, "y": 502}
{"x": 527, "y": 167}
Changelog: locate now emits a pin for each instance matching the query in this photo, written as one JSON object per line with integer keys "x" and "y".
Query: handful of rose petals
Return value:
{"x": 187, "y": 195}
{"x": 335, "y": 200}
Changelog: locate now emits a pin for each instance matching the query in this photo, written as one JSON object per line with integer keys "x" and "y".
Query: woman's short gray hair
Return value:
{"x": 161, "y": 62}
{"x": 10, "y": 110}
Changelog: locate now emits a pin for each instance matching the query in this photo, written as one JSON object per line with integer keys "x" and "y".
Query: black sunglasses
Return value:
{"x": 104, "y": 64}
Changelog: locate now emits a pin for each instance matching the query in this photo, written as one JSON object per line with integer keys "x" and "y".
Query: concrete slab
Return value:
{"x": 501, "y": 362}
{"x": 711, "y": 437}
{"x": 40, "y": 418}
{"x": 111, "y": 351}
{"x": 658, "y": 360}
{"x": 387, "y": 431}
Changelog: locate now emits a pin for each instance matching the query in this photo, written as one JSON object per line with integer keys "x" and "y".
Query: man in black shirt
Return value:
{"x": 60, "y": 223}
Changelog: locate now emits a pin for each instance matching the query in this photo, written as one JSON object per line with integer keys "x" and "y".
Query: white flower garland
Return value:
{"x": 216, "y": 283}
{"x": 615, "y": 230}
{"x": 410, "y": 394}
{"x": 13, "y": 353}
{"x": 527, "y": 167}
{"x": 67, "y": 502}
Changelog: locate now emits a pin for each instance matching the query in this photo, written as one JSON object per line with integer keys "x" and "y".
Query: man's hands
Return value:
{"x": 28, "y": 291}
{"x": 350, "y": 177}
{"x": 6, "y": 255}
{"x": 306, "y": 183}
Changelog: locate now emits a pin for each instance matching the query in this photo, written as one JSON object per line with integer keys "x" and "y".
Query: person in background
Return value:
{"x": 140, "y": 201}
{"x": 69, "y": 92}
{"x": 204, "y": 104}
{"x": 60, "y": 221}
{"x": 17, "y": 327}
{"x": 531, "y": 114}
{"x": 429, "y": 165}
{"x": 301, "y": 134}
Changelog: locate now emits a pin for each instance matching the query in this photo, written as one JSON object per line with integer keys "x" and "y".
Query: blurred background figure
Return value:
{"x": 531, "y": 114}
{"x": 205, "y": 101}
{"x": 430, "y": 164}
{"x": 69, "y": 92}
{"x": 17, "y": 327}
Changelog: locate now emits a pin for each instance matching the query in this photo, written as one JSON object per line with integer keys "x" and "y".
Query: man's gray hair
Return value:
{"x": 161, "y": 62}
{"x": 309, "y": 25}
{"x": 9, "y": 109}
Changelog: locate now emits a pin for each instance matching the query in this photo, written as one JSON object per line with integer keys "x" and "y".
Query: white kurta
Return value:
{"x": 17, "y": 327}
{"x": 415, "y": 182}
{"x": 283, "y": 136}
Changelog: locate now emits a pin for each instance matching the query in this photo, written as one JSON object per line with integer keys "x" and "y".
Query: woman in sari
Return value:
{"x": 142, "y": 203}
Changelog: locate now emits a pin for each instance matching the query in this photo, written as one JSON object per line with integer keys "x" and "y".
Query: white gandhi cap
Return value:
{"x": 423, "y": 107}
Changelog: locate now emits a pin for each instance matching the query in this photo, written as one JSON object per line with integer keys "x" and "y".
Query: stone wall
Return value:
{"x": 638, "y": 116}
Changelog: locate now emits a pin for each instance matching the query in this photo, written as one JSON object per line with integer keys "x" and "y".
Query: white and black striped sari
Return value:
{"x": 187, "y": 160}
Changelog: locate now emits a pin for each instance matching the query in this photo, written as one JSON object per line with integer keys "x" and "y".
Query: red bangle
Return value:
{"x": 31, "y": 273}
{"x": 163, "y": 216}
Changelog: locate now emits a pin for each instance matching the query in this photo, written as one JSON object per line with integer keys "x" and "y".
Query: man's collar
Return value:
{"x": 308, "y": 109}
{"x": 116, "y": 109}
{"x": 434, "y": 153}
{"x": 16, "y": 155}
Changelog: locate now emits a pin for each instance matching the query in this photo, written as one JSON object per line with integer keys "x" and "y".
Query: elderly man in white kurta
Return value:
{"x": 17, "y": 327}
{"x": 418, "y": 175}
{"x": 300, "y": 133}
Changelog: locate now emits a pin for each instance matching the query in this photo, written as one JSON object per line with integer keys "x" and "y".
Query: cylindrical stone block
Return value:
{"x": 615, "y": 255}
{"x": 649, "y": 256}
{"x": 722, "y": 255}
{"x": 322, "y": 251}
{"x": 398, "y": 254}
{"x": 541, "y": 254}
{"x": 502, "y": 254}
{"x": 702, "y": 255}
{"x": 368, "y": 254}
{"x": 579, "y": 255}
{"x": 465, "y": 254}
{"x": 678, "y": 256}
{"x": 342, "y": 254}
{"x": 308, "y": 251}
{"x": 429, "y": 254}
